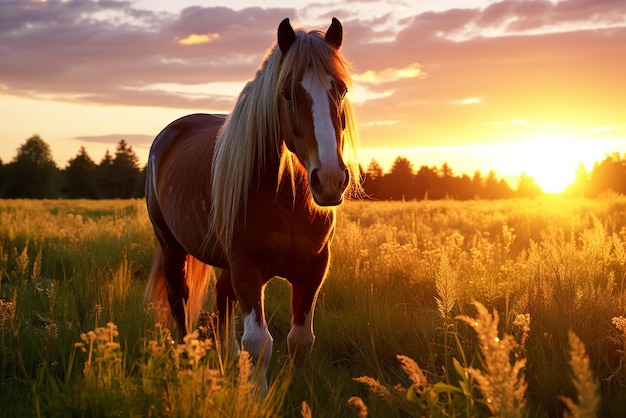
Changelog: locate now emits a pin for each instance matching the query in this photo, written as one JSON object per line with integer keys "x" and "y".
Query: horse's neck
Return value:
{"x": 297, "y": 196}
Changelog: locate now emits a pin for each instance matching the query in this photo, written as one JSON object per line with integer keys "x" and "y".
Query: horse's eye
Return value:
{"x": 286, "y": 94}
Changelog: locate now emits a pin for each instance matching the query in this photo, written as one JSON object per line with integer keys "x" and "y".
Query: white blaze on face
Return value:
{"x": 324, "y": 128}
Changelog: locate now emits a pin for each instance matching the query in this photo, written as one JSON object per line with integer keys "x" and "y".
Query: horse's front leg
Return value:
{"x": 248, "y": 285}
{"x": 303, "y": 298}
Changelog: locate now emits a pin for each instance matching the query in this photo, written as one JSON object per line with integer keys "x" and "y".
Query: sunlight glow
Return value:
{"x": 551, "y": 160}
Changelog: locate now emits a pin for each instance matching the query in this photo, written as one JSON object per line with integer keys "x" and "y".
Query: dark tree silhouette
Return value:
{"x": 140, "y": 183}
{"x": 478, "y": 185}
{"x": 399, "y": 182}
{"x": 105, "y": 177}
{"x": 118, "y": 176}
{"x": 446, "y": 180}
{"x": 127, "y": 172}
{"x": 609, "y": 174}
{"x": 491, "y": 186}
{"x": 373, "y": 180}
{"x": 80, "y": 177}
{"x": 462, "y": 188}
{"x": 33, "y": 173}
{"x": 426, "y": 184}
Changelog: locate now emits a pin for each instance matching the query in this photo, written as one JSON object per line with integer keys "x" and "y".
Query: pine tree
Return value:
{"x": 127, "y": 172}
{"x": 80, "y": 177}
{"x": 33, "y": 173}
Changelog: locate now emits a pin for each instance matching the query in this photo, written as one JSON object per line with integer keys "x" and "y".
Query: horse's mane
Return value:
{"x": 253, "y": 129}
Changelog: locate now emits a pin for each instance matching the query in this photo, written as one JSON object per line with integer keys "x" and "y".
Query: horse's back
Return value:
{"x": 187, "y": 131}
{"x": 178, "y": 177}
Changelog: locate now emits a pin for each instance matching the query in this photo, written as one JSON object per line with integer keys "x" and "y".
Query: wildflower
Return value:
{"x": 585, "y": 383}
{"x": 446, "y": 283}
{"x": 620, "y": 323}
{"x": 7, "y": 310}
{"x": 375, "y": 386}
{"x": 522, "y": 321}
{"x": 501, "y": 382}
{"x": 416, "y": 375}
{"x": 80, "y": 346}
{"x": 194, "y": 348}
{"x": 358, "y": 404}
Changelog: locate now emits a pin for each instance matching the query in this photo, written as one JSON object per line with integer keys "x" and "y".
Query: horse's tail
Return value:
{"x": 198, "y": 277}
{"x": 156, "y": 290}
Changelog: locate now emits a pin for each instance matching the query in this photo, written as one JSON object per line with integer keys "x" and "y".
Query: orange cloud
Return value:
{"x": 198, "y": 39}
{"x": 468, "y": 101}
{"x": 390, "y": 74}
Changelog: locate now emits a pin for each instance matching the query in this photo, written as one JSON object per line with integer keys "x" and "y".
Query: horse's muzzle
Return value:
{"x": 328, "y": 186}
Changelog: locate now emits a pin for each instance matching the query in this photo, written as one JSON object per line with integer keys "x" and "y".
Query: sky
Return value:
{"x": 533, "y": 86}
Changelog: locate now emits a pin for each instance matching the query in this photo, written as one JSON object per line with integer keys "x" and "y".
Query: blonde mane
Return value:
{"x": 253, "y": 130}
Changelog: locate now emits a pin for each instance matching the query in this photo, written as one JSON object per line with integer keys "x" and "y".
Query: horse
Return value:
{"x": 254, "y": 193}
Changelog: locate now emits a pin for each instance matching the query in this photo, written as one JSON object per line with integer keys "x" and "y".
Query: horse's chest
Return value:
{"x": 285, "y": 242}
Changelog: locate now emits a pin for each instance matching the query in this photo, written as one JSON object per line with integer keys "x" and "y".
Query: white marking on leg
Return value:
{"x": 300, "y": 339}
{"x": 257, "y": 341}
{"x": 324, "y": 128}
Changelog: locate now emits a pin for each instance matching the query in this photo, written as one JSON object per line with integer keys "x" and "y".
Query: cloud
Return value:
{"x": 199, "y": 39}
{"x": 137, "y": 140}
{"x": 468, "y": 101}
{"x": 524, "y": 59}
{"x": 519, "y": 16}
{"x": 413, "y": 70}
{"x": 103, "y": 52}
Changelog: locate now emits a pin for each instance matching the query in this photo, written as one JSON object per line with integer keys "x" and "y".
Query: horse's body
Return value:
{"x": 245, "y": 193}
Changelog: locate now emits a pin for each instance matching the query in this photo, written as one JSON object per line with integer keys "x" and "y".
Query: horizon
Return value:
{"x": 515, "y": 86}
{"x": 511, "y": 181}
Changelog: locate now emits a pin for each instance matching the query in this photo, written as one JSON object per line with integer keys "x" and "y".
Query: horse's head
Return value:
{"x": 312, "y": 87}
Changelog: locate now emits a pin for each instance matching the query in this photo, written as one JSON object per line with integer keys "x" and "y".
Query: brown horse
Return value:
{"x": 253, "y": 193}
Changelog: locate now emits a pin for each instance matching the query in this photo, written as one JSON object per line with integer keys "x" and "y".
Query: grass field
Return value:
{"x": 436, "y": 308}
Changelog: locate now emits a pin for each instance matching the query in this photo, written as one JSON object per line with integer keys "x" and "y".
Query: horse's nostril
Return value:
{"x": 315, "y": 180}
{"x": 346, "y": 178}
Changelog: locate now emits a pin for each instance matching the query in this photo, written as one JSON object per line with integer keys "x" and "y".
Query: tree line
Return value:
{"x": 33, "y": 174}
{"x": 402, "y": 182}
{"x": 606, "y": 175}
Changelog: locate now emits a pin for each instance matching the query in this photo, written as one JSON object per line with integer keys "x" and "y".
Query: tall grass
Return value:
{"x": 430, "y": 308}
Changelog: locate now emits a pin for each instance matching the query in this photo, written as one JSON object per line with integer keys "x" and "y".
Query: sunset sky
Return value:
{"x": 531, "y": 86}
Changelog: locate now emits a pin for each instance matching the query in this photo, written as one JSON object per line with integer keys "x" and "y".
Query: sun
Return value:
{"x": 551, "y": 160}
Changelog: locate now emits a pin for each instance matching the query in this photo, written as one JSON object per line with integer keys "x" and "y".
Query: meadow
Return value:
{"x": 433, "y": 308}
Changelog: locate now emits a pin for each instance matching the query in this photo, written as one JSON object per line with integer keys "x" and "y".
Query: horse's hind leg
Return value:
{"x": 177, "y": 291}
{"x": 167, "y": 286}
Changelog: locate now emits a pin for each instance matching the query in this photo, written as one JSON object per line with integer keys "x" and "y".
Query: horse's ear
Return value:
{"x": 334, "y": 34}
{"x": 286, "y": 36}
